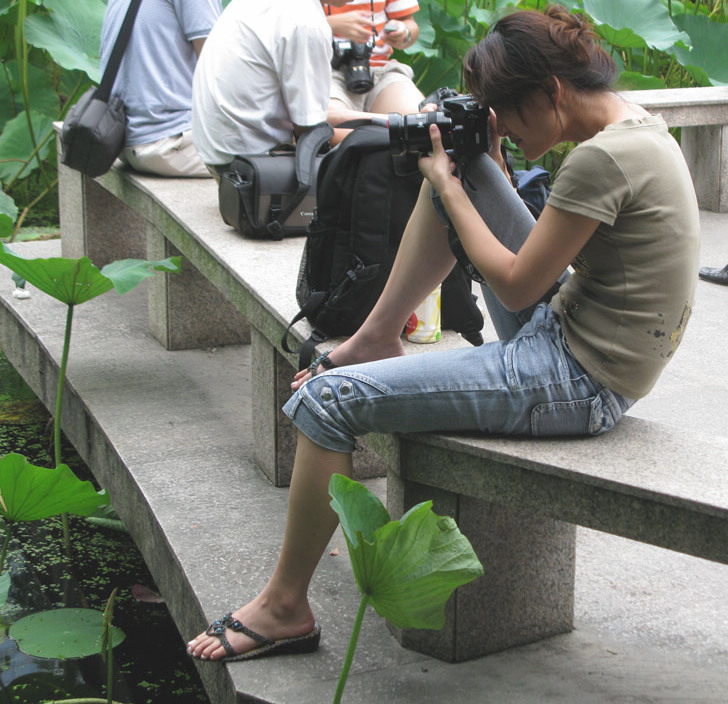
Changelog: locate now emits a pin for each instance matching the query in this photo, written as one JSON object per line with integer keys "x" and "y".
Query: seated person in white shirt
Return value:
{"x": 262, "y": 79}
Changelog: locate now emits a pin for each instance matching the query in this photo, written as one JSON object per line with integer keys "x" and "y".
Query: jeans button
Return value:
{"x": 327, "y": 394}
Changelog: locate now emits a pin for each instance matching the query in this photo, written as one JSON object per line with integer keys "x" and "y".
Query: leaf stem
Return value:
{"x": 57, "y": 417}
{"x": 59, "y": 391}
{"x": 350, "y": 650}
{"x": 27, "y": 208}
{"x": 9, "y": 526}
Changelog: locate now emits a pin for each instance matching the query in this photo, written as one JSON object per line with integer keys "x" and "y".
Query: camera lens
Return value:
{"x": 358, "y": 77}
{"x": 411, "y": 133}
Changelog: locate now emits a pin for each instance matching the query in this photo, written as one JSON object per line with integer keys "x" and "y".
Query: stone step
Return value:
{"x": 168, "y": 434}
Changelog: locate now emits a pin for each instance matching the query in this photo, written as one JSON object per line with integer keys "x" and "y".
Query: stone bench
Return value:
{"x": 517, "y": 500}
{"x": 702, "y": 113}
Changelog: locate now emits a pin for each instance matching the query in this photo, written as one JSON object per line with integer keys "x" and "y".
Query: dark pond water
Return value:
{"x": 150, "y": 666}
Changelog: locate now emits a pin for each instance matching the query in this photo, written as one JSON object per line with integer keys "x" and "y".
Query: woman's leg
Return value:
{"x": 281, "y": 610}
{"x": 509, "y": 219}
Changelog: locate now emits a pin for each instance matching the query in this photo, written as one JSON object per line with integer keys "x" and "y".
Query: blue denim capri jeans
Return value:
{"x": 528, "y": 383}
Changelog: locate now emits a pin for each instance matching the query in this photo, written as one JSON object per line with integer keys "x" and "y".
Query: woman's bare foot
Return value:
{"x": 355, "y": 350}
{"x": 259, "y": 616}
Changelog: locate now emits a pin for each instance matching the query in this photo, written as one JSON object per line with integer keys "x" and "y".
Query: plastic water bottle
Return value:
{"x": 424, "y": 323}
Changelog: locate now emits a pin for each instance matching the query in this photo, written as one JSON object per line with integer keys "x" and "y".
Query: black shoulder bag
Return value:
{"x": 94, "y": 130}
{"x": 272, "y": 195}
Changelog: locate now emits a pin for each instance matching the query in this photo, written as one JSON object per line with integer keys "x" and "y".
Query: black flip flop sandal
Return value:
{"x": 307, "y": 643}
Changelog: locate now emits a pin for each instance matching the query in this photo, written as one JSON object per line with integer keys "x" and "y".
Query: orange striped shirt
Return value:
{"x": 383, "y": 10}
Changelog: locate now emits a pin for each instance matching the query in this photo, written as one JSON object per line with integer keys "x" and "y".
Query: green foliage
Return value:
{"x": 64, "y": 633}
{"x": 29, "y": 493}
{"x": 405, "y": 569}
{"x": 655, "y": 43}
{"x": 70, "y": 33}
{"x": 408, "y": 568}
{"x": 707, "y": 58}
{"x": 630, "y": 24}
{"x": 75, "y": 281}
{"x": 50, "y": 55}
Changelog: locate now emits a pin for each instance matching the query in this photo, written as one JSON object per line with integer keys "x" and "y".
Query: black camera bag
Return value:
{"x": 272, "y": 195}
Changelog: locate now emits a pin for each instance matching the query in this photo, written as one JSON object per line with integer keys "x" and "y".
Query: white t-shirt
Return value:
{"x": 265, "y": 67}
{"x": 155, "y": 76}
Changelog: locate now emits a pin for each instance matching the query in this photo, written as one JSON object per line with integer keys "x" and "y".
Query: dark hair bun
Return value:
{"x": 526, "y": 49}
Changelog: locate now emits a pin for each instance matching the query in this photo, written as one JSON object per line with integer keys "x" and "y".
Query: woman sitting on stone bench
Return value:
{"x": 622, "y": 212}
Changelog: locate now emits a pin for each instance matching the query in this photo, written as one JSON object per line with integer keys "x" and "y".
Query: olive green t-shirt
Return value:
{"x": 625, "y": 308}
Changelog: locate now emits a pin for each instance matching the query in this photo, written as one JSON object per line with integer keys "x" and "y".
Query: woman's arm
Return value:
{"x": 518, "y": 280}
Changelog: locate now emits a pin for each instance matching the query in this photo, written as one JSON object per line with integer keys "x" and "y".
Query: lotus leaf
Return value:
{"x": 407, "y": 568}
{"x": 29, "y": 493}
{"x": 709, "y": 52}
{"x": 8, "y": 214}
{"x": 62, "y": 633}
{"x": 74, "y": 281}
{"x": 70, "y": 33}
{"x": 631, "y": 24}
{"x": 16, "y": 145}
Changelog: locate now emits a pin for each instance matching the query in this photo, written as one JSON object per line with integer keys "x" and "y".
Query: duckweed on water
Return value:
{"x": 151, "y": 664}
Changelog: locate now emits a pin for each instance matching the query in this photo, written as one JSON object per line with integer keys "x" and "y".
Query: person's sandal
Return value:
{"x": 322, "y": 360}
{"x": 306, "y": 643}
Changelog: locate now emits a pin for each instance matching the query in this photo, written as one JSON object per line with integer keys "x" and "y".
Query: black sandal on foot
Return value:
{"x": 306, "y": 643}
{"x": 322, "y": 360}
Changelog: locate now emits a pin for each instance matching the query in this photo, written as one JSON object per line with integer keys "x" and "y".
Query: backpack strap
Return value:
{"x": 306, "y": 349}
{"x": 307, "y": 149}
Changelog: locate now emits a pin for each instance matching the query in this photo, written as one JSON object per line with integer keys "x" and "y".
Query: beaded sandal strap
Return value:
{"x": 217, "y": 629}
{"x": 322, "y": 360}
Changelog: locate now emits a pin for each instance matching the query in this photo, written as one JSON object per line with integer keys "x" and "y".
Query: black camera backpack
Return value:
{"x": 364, "y": 200}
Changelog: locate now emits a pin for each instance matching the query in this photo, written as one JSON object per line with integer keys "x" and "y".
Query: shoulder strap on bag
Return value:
{"x": 306, "y": 349}
{"x": 307, "y": 148}
{"x": 112, "y": 68}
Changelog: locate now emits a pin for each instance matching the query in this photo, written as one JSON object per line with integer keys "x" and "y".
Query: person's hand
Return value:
{"x": 399, "y": 37}
{"x": 438, "y": 169}
{"x": 355, "y": 26}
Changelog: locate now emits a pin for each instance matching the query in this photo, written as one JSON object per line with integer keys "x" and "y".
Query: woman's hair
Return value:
{"x": 524, "y": 50}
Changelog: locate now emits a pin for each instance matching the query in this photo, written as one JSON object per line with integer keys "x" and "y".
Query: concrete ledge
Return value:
{"x": 684, "y": 107}
{"x": 702, "y": 113}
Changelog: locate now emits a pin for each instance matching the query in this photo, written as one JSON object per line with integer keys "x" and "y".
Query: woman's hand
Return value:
{"x": 438, "y": 169}
{"x": 355, "y": 26}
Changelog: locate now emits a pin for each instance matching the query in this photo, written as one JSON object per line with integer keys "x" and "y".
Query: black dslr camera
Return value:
{"x": 355, "y": 57}
{"x": 463, "y": 123}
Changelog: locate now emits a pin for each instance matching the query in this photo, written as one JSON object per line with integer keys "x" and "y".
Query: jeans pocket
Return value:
{"x": 591, "y": 416}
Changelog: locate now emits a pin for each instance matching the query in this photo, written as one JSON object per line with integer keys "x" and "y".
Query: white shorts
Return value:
{"x": 171, "y": 156}
{"x": 382, "y": 76}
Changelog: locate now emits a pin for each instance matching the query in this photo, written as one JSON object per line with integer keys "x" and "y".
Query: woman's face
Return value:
{"x": 534, "y": 129}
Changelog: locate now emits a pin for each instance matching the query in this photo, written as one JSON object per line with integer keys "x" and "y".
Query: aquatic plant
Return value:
{"x": 406, "y": 569}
